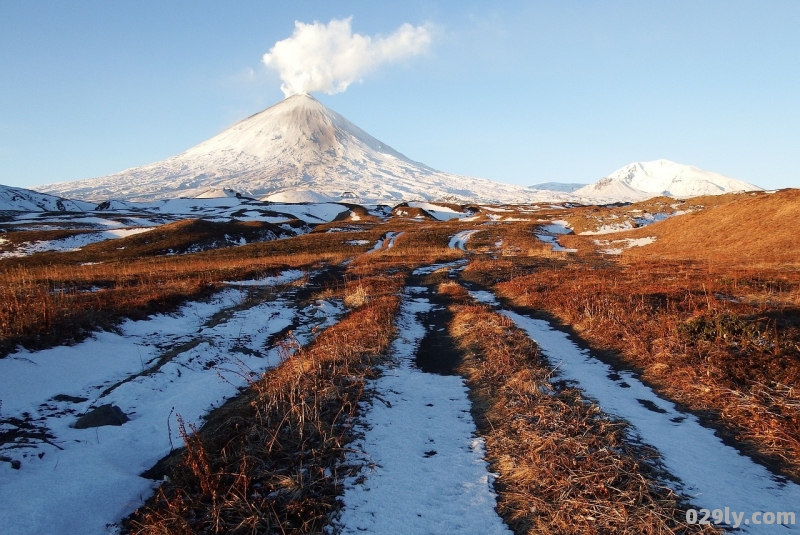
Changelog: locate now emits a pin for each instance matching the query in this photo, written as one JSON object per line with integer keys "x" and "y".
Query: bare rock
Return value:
{"x": 102, "y": 415}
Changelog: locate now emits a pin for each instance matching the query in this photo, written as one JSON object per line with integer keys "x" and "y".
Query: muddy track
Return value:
{"x": 419, "y": 440}
{"x": 437, "y": 351}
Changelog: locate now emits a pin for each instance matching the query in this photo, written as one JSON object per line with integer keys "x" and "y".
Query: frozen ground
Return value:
{"x": 118, "y": 214}
{"x": 58, "y": 479}
{"x": 424, "y": 469}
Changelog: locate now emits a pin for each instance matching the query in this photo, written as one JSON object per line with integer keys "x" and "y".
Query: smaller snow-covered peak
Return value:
{"x": 641, "y": 180}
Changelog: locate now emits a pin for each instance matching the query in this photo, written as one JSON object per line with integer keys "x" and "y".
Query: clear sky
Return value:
{"x": 516, "y": 91}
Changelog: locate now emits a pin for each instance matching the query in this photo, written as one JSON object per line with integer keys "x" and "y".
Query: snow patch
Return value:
{"x": 298, "y": 196}
{"x": 459, "y": 241}
{"x": 84, "y": 480}
{"x": 621, "y": 245}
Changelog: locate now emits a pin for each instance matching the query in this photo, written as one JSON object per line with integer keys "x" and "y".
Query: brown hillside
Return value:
{"x": 753, "y": 230}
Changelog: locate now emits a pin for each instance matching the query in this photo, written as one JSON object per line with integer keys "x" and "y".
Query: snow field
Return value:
{"x": 442, "y": 213}
{"x": 86, "y": 480}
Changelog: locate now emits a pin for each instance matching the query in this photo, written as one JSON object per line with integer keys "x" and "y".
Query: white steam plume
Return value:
{"x": 330, "y": 57}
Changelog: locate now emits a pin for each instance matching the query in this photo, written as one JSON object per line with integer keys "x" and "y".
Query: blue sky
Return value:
{"x": 519, "y": 91}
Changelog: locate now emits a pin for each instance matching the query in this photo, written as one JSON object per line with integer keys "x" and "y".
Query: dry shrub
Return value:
{"x": 356, "y": 297}
{"x": 271, "y": 462}
{"x": 565, "y": 467}
{"x": 453, "y": 291}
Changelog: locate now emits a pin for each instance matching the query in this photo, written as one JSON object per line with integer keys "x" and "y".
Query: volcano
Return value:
{"x": 296, "y": 149}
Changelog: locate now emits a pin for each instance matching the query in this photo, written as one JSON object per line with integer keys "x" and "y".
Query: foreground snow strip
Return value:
{"x": 712, "y": 474}
{"x": 549, "y": 234}
{"x": 426, "y": 470}
{"x": 459, "y": 241}
{"x": 392, "y": 236}
{"x": 85, "y": 480}
{"x": 387, "y": 240}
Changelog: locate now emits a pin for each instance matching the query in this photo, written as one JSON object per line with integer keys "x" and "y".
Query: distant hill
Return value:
{"x": 755, "y": 229}
{"x": 644, "y": 180}
{"x": 25, "y": 200}
{"x": 563, "y": 187}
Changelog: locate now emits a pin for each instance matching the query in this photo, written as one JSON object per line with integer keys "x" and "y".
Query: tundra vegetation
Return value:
{"x": 708, "y": 314}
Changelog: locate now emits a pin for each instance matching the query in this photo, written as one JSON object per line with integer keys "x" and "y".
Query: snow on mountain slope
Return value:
{"x": 298, "y": 144}
{"x": 564, "y": 187}
{"x": 297, "y": 196}
{"x": 217, "y": 193}
{"x": 611, "y": 189}
{"x": 25, "y": 200}
{"x": 642, "y": 180}
{"x": 224, "y": 208}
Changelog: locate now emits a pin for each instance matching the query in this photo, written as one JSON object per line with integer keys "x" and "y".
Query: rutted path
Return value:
{"x": 712, "y": 474}
{"x": 84, "y": 480}
{"x": 459, "y": 241}
{"x": 425, "y": 471}
{"x": 385, "y": 242}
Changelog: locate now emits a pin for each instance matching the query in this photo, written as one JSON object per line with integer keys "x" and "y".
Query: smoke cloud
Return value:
{"x": 330, "y": 57}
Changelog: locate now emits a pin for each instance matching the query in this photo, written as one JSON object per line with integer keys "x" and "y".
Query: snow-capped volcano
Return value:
{"x": 296, "y": 145}
{"x": 643, "y": 180}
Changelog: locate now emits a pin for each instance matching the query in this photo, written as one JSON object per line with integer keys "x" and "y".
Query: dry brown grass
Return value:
{"x": 752, "y": 230}
{"x": 591, "y": 218}
{"x": 273, "y": 462}
{"x": 62, "y": 297}
{"x": 357, "y": 296}
{"x": 564, "y": 466}
{"x": 744, "y": 230}
{"x": 724, "y": 342}
{"x": 52, "y": 298}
